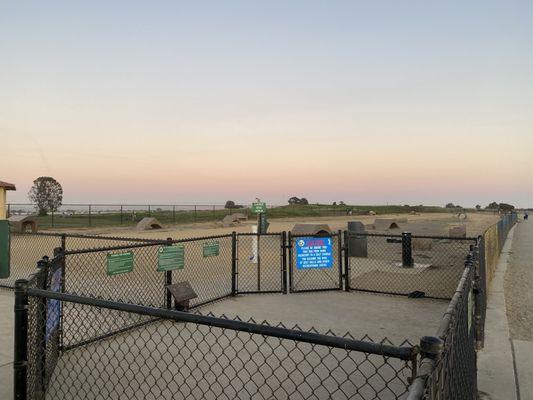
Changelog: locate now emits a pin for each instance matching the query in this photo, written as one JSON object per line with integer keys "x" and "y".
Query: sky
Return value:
{"x": 172, "y": 102}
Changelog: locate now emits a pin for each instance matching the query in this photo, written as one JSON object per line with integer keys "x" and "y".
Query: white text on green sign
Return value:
{"x": 211, "y": 249}
{"x": 259, "y": 208}
{"x": 119, "y": 263}
{"x": 171, "y": 257}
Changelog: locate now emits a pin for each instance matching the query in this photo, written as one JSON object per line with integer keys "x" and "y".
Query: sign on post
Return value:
{"x": 211, "y": 249}
{"x": 170, "y": 258}
{"x": 53, "y": 306}
{"x": 259, "y": 208}
{"x": 314, "y": 253}
{"x": 119, "y": 263}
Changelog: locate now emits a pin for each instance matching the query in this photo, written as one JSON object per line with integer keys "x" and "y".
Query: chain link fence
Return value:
{"x": 448, "y": 366}
{"x": 322, "y": 270}
{"x": 399, "y": 264}
{"x": 181, "y": 355}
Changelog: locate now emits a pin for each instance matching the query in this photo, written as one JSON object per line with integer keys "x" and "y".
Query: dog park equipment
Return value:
{"x": 20, "y": 223}
{"x": 310, "y": 229}
{"x": 384, "y": 224}
{"x": 4, "y": 230}
{"x": 148, "y": 223}
{"x": 357, "y": 243}
{"x": 182, "y": 292}
{"x": 407, "y": 249}
{"x": 233, "y": 219}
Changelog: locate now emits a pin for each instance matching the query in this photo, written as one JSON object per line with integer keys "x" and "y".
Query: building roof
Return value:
{"x": 7, "y": 186}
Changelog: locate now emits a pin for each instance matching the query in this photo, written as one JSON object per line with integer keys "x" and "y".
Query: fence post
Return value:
{"x": 173, "y": 214}
{"x": 194, "y": 213}
{"x": 89, "y": 215}
{"x": 480, "y": 289}
{"x": 42, "y": 266}
{"x": 20, "y": 359}
{"x": 233, "y": 263}
{"x": 168, "y": 280}
{"x": 346, "y": 263}
{"x": 430, "y": 352}
{"x": 214, "y": 212}
{"x": 339, "y": 236}
{"x": 284, "y": 261}
{"x": 407, "y": 250}
{"x": 289, "y": 244}
{"x": 149, "y": 211}
{"x": 63, "y": 264}
{"x": 52, "y": 218}
{"x": 8, "y": 211}
{"x": 121, "y": 214}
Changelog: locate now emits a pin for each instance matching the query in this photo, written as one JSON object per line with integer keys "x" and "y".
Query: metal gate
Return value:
{"x": 315, "y": 262}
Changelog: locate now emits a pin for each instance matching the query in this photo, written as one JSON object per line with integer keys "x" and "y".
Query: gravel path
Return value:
{"x": 519, "y": 283}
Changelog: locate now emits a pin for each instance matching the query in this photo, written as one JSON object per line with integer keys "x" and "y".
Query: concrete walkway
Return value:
{"x": 505, "y": 365}
{"x": 6, "y": 344}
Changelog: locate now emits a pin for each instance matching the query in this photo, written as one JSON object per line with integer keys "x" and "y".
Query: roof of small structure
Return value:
{"x": 7, "y": 186}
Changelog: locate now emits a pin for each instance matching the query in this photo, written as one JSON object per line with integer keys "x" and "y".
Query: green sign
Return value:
{"x": 210, "y": 249}
{"x": 259, "y": 208}
{"x": 119, "y": 263}
{"x": 171, "y": 257}
{"x": 4, "y": 249}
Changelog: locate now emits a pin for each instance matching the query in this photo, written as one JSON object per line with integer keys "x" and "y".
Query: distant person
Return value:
{"x": 526, "y": 216}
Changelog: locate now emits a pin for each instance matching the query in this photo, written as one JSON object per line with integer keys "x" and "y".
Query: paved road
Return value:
{"x": 519, "y": 300}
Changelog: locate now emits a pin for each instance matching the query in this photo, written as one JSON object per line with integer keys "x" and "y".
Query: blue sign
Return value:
{"x": 53, "y": 306}
{"x": 314, "y": 252}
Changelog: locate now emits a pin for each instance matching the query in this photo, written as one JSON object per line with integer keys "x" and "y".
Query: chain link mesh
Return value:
{"x": 172, "y": 359}
{"x": 438, "y": 265}
{"x": 260, "y": 263}
{"x": 312, "y": 279}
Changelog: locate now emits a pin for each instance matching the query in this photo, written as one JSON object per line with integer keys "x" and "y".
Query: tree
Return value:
{"x": 450, "y": 205}
{"x": 342, "y": 203}
{"x": 294, "y": 200}
{"x": 506, "y": 207}
{"x": 493, "y": 206}
{"x": 47, "y": 194}
{"x": 230, "y": 204}
{"x": 304, "y": 201}
{"x": 478, "y": 207}
{"x": 334, "y": 203}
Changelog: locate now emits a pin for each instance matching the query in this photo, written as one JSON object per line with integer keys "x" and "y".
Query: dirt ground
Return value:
{"x": 422, "y": 224}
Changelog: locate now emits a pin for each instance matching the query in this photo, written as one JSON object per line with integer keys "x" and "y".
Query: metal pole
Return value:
{"x": 121, "y": 220}
{"x": 149, "y": 211}
{"x": 407, "y": 250}
{"x": 89, "y": 215}
{"x": 168, "y": 280}
{"x": 195, "y": 213}
{"x": 339, "y": 238}
{"x": 346, "y": 263}
{"x": 214, "y": 213}
{"x": 20, "y": 360}
{"x": 233, "y": 263}
{"x": 173, "y": 214}
{"x": 52, "y": 218}
{"x": 8, "y": 211}
{"x": 284, "y": 262}
{"x": 289, "y": 243}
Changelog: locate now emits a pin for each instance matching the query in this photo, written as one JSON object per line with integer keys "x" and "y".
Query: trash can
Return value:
{"x": 357, "y": 243}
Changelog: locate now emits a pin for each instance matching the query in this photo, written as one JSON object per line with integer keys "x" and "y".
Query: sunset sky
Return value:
{"x": 193, "y": 102}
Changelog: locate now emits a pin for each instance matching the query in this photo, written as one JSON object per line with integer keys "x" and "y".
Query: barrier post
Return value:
{"x": 20, "y": 359}
{"x": 168, "y": 280}
{"x": 347, "y": 276}
{"x": 284, "y": 261}
{"x": 233, "y": 263}
{"x": 407, "y": 250}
